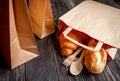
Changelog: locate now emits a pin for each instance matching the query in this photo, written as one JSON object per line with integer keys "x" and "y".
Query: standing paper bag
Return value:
{"x": 17, "y": 43}
{"x": 42, "y": 18}
{"x": 98, "y": 21}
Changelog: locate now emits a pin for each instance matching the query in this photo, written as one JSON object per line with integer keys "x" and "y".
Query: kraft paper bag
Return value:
{"x": 97, "y": 20}
{"x": 17, "y": 43}
{"x": 42, "y": 18}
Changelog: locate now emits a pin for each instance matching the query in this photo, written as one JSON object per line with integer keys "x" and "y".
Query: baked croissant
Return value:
{"x": 67, "y": 47}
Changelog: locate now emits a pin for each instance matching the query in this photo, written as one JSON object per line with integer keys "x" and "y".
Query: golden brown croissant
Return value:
{"x": 67, "y": 47}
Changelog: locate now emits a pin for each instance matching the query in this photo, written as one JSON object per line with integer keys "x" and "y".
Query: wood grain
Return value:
{"x": 48, "y": 66}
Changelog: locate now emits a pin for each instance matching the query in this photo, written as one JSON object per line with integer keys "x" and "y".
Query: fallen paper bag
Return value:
{"x": 97, "y": 20}
{"x": 42, "y": 18}
{"x": 17, "y": 43}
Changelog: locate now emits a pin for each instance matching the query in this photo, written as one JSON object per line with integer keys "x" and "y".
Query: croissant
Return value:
{"x": 67, "y": 47}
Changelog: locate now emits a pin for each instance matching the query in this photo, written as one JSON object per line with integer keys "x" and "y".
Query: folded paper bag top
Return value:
{"x": 97, "y": 20}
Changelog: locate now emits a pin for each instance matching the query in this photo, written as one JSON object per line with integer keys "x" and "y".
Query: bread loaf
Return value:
{"x": 95, "y": 61}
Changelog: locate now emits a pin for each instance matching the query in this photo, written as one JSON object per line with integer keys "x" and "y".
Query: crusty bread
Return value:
{"x": 95, "y": 61}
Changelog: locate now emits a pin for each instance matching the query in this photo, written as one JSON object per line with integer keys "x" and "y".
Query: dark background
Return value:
{"x": 48, "y": 66}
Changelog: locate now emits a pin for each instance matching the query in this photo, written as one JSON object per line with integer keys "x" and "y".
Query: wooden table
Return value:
{"x": 48, "y": 66}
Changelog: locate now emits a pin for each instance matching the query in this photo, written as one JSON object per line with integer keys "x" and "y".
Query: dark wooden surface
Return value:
{"x": 48, "y": 66}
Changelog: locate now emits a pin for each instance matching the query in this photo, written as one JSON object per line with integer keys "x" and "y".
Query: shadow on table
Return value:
{"x": 2, "y": 62}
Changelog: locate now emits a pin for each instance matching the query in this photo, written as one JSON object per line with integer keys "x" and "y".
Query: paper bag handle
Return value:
{"x": 96, "y": 48}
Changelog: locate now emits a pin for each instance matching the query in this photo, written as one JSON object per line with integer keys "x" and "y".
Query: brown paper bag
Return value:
{"x": 41, "y": 16}
{"x": 97, "y": 20}
{"x": 17, "y": 43}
